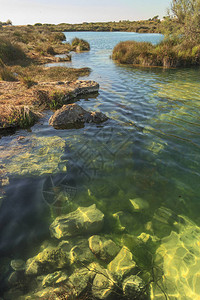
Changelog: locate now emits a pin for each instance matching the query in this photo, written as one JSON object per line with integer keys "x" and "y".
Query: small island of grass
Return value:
{"x": 180, "y": 48}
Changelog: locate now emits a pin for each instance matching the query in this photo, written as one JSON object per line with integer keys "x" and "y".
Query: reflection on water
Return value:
{"x": 149, "y": 151}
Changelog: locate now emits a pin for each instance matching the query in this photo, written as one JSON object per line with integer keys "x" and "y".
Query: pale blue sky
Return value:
{"x": 78, "y": 11}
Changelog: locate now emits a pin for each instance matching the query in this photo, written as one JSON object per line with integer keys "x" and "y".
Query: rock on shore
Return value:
{"x": 74, "y": 116}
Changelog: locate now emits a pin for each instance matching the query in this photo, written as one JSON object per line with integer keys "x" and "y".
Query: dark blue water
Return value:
{"x": 150, "y": 149}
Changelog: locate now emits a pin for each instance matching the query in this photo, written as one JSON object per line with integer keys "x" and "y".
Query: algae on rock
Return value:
{"x": 35, "y": 156}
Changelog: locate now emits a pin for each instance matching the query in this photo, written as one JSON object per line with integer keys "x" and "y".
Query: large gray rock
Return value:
{"x": 103, "y": 248}
{"x": 74, "y": 116}
{"x": 122, "y": 264}
{"x": 84, "y": 220}
{"x": 133, "y": 287}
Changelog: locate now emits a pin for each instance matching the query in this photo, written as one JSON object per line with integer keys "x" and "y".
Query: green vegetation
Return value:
{"x": 167, "y": 54}
{"x": 181, "y": 46}
{"x": 151, "y": 25}
{"x": 80, "y": 45}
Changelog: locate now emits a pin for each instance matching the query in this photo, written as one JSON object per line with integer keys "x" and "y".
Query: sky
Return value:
{"x": 22, "y": 12}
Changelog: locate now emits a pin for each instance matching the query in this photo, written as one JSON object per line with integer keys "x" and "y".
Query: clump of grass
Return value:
{"x": 18, "y": 116}
{"x": 169, "y": 53}
{"x": 80, "y": 45}
{"x": 5, "y": 72}
{"x": 56, "y": 100}
{"x": 10, "y": 52}
{"x": 7, "y": 75}
{"x": 27, "y": 81}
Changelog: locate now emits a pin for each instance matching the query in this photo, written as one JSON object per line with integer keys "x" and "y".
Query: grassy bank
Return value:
{"x": 23, "y": 50}
{"x": 168, "y": 54}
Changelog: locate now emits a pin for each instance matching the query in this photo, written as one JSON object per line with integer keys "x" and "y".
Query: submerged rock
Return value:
{"x": 80, "y": 253}
{"x": 178, "y": 263}
{"x": 139, "y": 204}
{"x": 74, "y": 116}
{"x": 54, "y": 278}
{"x": 49, "y": 260}
{"x": 84, "y": 220}
{"x": 78, "y": 281}
{"x": 18, "y": 264}
{"x": 34, "y": 156}
{"x": 103, "y": 284}
{"x": 122, "y": 264}
{"x": 163, "y": 221}
{"x": 103, "y": 248}
{"x": 133, "y": 287}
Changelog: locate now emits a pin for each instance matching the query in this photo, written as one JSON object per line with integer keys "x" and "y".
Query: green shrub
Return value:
{"x": 80, "y": 45}
{"x": 169, "y": 53}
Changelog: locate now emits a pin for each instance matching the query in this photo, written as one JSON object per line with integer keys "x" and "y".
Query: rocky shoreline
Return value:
{"x": 40, "y": 97}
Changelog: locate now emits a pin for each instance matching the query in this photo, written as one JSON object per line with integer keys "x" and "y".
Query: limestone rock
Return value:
{"x": 74, "y": 116}
{"x": 84, "y": 220}
{"x": 49, "y": 260}
{"x": 133, "y": 287}
{"x": 122, "y": 264}
{"x": 54, "y": 278}
{"x": 103, "y": 248}
{"x": 139, "y": 204}
{"x": 79, "y": 280}
{"x": 103, "y": 285}
{"x": 80, "y": 253}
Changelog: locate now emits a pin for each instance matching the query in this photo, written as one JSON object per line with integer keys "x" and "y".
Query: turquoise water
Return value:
{"x": 149, "y": 149}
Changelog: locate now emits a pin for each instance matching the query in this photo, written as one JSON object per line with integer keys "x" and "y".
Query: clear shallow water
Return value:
{"x": 149, "y": 149}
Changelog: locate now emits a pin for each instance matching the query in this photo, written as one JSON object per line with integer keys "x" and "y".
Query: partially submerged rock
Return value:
{"x": 74, "y": 116}
{"x": 103, "y": 248}
{"x": 84, "y": 220}
{"x": 123, "y": 264}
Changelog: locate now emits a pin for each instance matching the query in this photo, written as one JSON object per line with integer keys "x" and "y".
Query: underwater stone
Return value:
{"x": 80, "y": 253}
{"x": 74, "y": 116}
{"x": 164, "y": 221}
{"x": 122, "y": 264}
{"x": 78, "y": 281}
{"x": 139, "y": 204}
{"x": 103, "y": 248}
{"x": 103, "y": 285}
{"x": 84, "y": 220}
{"x": 133, "y": 287}
{"x": 48, "y": 260}
{"x": 35, "y": 156}
{"x": 178, "y": 258}
{"x": 18, "y": 264}
{"x": 54, "y": 278}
